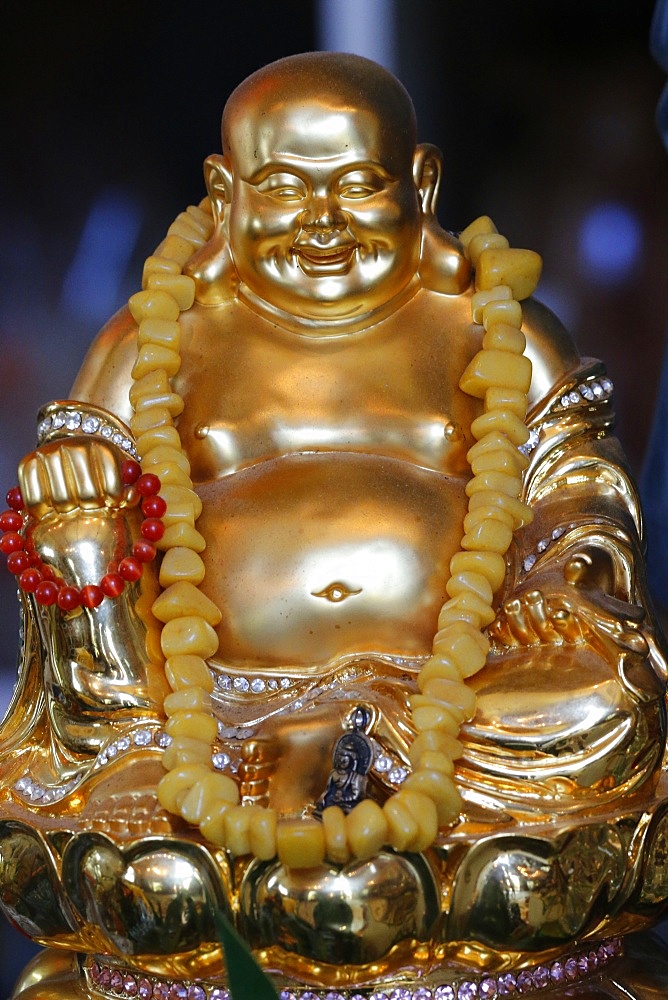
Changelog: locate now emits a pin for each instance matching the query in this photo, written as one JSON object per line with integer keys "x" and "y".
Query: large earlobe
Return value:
{"x": 218, "y": 179}
{"x": 443, "y": 266}
{"x": 212, "y": 268}
{"x": 427, "y": 170}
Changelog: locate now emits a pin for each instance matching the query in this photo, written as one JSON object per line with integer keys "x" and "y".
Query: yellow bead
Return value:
{"x": 440, "y": 789}
{"x": 190, "y": 634}
{"x": 179, "y": 286}
{"x": 184, "y": 599}
{"x": 170, "y": 400}
{"x": 484, "y": 241}
{"x": 171, "y": 474}
{"x": 489, "y": 564}
{"x": 498, "y": 481}
{"x": 466, "y": 603}
{"x": 184, "y": 750}
{"x": 501, "y": 293}
{"x": 336, "y": 844}
{"x": 185, "y": 228}
{"x": 188, "y": 671}
{"x": 434, "y": 717}
{"x": 237, "y": 829}
{"x": 504, "y": 337}
{"x": 483, "y": 224}
{"x": 513, "y": 400}
{"x": 465, "y": 644}
{"x": 433, "y": 760}
{"x": 508, "y": 312}
{"x": 300, "y": 843}
{"x": 152, "y": 383}
{"x": 153, "y": 265}
{"x": 438, "y": 666}
{"x": 437, "y": 740}
{"x": 157, "y": 436}
{"x": 473, "y": 582}
{"x": 366, "y": 829}
{"x": 166, "y": 453}
{"x": 148, "y": 420}
{"x": 509, "y": 462}
{"x": 500, "y": 422}
{"x": 480, "y": 514}
{"x": 451, "y": 694}
{"x": 182, "y": 533}
{"x": 205, "y": 794}
{"x": 262, "y": 834}
{"x": 212, "y": 823}
{"x": 192, "y": 725}
{"x": 152, "y": 356}
{"x": 521, "y": 514}
{"x": 491, "y": 536}
{"x": 176, "y": 248}
{"x": 191, "y": 698}
{"x": 402, "y": 827}
{"x": 179, "y": 498}
{"x": 153, "y": 304}
{"x": 496, "y": 368}
{"x": 520, "y": 269}
{"x": 165, "y": 332}
{"x": 423, "y": 810}
{"x": 174, "y": 786}
{"x": 181, "y": 564}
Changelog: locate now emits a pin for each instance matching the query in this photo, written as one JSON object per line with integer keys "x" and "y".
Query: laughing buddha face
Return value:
{"x": 320, "y": 189}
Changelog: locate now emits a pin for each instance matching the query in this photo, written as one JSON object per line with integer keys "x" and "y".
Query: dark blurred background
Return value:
{"x": 544, "y": 112}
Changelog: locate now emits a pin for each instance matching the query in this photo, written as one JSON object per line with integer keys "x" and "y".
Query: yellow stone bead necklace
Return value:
{"x": 500, "y": 375}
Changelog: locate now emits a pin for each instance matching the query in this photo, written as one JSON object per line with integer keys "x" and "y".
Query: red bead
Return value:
{"x": 148, "y": 484}
{"x": 153, "y": 507}
{"x": 29, "y": 580}
{"x": 35, "y": 560}
{"x": 91, "y": 596}
{"x": 130, "y": 569}
{"x": 68, "y": 598}
{"x": 17, "y": 562}
{"x": 48, "y": 572}
{"x": 112, "y": 585}
{"x": 46, "y": 592}
{"x": 14, "y": 498}
{"x": 11, "y": 541}
{"x": 152, "y": 528}
{"x": 10, "y": 520}
{"x": 144, "y": 551}
{"x": 130, "y": 471}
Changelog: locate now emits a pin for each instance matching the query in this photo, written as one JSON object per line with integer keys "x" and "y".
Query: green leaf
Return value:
{"x": 246, "y": 979}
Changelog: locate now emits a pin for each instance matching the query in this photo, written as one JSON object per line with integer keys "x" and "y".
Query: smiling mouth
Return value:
{"x": 325, "y": 260}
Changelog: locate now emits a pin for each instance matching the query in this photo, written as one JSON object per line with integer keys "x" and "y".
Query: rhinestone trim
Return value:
{"x": 72, "y": 420}
{"x": 542, "y": 546}
{"x": 112, "y": 981}
{"x": 591, "y": 391}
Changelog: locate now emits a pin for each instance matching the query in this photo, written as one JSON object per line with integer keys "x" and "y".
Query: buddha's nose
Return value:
{"x": 323, "y": 215}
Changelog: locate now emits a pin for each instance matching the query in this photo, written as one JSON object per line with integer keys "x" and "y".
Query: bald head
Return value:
{"x": 334, "y": 88}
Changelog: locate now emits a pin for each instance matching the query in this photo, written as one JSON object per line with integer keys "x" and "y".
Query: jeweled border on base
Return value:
{"x": 111, "y": 981}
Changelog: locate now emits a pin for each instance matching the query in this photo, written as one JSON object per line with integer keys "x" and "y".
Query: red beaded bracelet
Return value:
{"x": 40, "y": 579}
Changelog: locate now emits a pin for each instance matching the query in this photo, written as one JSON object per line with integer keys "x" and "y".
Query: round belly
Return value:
{"x": 314, "y": 557}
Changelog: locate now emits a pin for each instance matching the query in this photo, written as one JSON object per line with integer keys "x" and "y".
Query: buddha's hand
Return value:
{"x": 69, "y": 474}
{"x": 574, "y": 606}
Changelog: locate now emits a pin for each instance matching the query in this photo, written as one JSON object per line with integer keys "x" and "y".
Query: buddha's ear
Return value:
{"x": 218, "y": 178}
{"x": 427, "y": 169}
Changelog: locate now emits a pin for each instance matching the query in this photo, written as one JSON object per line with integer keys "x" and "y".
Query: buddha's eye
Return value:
{"x": 360, "y": 184}
{"x": 283, "y": 187}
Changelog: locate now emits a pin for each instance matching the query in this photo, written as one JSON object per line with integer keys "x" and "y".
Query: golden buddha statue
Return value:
{"x": 391, "y": 698}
